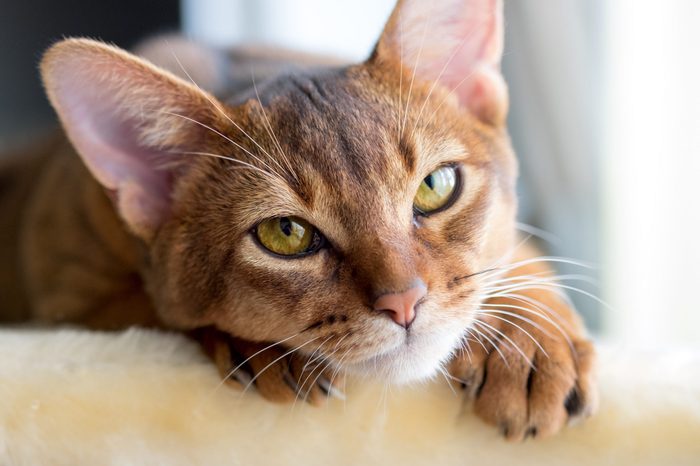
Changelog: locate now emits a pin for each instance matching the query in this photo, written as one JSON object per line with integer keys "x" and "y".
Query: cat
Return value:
{"x": 323, "y": 219}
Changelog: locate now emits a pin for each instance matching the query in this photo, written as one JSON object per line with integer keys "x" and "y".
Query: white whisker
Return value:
{"x": 539, "y": 305}
{"x": 323, "y": 366}
{"x": 476, "y": 339}
{"x": 491, "y": 342}
{"x": 538, "y": 232}
{"x": 448, "y": 377}
{"x": 271, "y": 133}
{"x": 537, "y": 343}
{"x": 512, "y": 343}
{"x": 231, "y": 159}
{"x": 275, "y": 361}
{"x": 323, "y": 358}
{"x": 518, "y": 316}
{"x": 415, "y": 68}
{"x": 235, "y": 144}
{"x": 233, "y": 371}
{"x": 219, "y": 109}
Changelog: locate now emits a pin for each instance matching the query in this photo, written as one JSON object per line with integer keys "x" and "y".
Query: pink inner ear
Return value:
{"x": 458, "y": 43}
{"x": 109, "y": 141}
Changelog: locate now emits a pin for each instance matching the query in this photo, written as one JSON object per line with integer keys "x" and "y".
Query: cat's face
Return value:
{"x": 345, "y": 166}
{"x": 287, "y": 215}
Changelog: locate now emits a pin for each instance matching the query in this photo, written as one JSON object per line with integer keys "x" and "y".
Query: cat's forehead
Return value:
{"x": 352, "y": 149}
{"x": 342, "y": 121}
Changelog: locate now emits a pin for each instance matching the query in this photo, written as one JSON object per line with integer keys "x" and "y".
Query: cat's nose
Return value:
{"x": 401, "y": 307}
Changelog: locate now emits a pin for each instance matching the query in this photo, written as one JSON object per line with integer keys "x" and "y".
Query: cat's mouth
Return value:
{"x": 418, "y": 356}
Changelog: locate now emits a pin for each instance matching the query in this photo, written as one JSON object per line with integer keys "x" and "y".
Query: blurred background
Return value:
{"x": 605, "y": 117}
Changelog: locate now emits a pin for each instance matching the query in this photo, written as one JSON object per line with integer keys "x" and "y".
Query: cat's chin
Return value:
{"x": 418, "y": 358}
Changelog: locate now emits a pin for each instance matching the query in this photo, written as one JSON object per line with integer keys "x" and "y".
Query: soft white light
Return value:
{"x": 652, "y": 171}
{"x": 345, "y": 29}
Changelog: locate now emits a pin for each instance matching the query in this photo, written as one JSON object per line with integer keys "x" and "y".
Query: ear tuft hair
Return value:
{"x": 458, "y": 43}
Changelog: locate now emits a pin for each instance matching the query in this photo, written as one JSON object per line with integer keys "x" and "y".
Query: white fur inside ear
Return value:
{"x": 140, "y": 397}
{"x": 186, "y": 59}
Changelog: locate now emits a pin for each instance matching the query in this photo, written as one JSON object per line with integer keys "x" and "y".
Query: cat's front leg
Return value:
{"x": 279, "y": 374}
{"x": 527, "y": 365}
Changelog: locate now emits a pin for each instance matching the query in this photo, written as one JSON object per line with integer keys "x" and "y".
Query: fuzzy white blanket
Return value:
{"x": 71, "y": 397}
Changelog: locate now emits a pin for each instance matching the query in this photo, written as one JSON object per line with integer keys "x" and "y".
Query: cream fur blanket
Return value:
{"x": 71, "y": 397}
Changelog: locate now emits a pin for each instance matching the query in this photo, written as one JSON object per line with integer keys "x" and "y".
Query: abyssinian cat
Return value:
{"x": 332, "y": 219}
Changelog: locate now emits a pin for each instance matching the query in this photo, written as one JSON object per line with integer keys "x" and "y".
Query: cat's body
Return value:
{"x": 396, "y": 176}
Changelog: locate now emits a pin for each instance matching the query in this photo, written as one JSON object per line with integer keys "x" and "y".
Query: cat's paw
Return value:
{"x": 530, "y": 391}
{"x": 273, "y": 371}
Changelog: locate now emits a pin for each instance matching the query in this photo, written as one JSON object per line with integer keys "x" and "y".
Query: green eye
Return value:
{"x": 436, "y": 190}
{"x": 287, "y": 236}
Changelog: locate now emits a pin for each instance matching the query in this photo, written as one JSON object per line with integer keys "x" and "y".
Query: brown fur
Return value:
{"x": 340, "y": 161}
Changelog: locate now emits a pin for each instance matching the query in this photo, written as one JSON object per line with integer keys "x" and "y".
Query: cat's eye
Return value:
{"x": 437, "y": 190}
{"x": 288, "y": 236}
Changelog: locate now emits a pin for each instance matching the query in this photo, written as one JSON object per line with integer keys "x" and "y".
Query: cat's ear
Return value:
{"x": 129, "y": 121}
{"x": 458, "y": 43}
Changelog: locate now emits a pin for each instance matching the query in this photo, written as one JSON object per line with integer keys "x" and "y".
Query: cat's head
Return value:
{"x": 343, "y": 210}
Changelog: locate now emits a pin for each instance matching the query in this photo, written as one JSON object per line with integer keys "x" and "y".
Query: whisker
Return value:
{"x": 415, "y": 68}
{"x": 554, "y": 280}
{"x": 537, "y": 343}
{"x": 448, "y": 377}
{"x": 336, "y": 372}
{"x": 539, "y": 305}
{"x": 491, "y": 342}
{"x": 306, "y": 365}
{"x": 235, "y": 144}
{"x": 233, "y": 371}
{"x": 442, "y": 72}
{"x": 538, "y": 232}
{"x": 517, "y": 316}
{"x": 271, "y": 132}
{"x": 398, "y": 106}
{"x": 323, "y": 358}
{"x": 553, "y": 259}
{"x": 515, "y": 346}
{"x": 311, "y": 360}
{"x": 222, "y": 112}
{"x": 543, "y": 277}
{"x": 499, "y": 270}
{"x": 557, "y": 288}
{"x": 531, "y": 311}
{"x": 224, "y": 157}
{"x": 274, "y": 362}
{"x": 476, "y": 339}
{"x": 432, "y": 115}
{"x": 324, "y": 365}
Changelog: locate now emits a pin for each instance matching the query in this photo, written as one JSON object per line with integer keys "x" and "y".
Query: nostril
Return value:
{"x": 401, "y": 307}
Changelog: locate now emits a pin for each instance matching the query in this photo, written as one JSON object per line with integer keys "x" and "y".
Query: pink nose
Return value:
{"x": 401, "y": 307}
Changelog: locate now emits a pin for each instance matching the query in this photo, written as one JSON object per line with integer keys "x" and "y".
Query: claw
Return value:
{"x": 242, "y": 376}
{"x": 573, "y": 403}
{"x": 329, "y": 389}
{"x": 531, "y": 432}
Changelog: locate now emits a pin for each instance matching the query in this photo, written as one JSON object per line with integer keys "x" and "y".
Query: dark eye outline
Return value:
{"x": 456, "y": 192}
{"x": 318, "y": 242}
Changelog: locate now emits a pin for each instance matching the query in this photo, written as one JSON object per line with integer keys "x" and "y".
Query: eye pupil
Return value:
{"x": 429, "y": 181}
{"x": 286, "y": 226}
